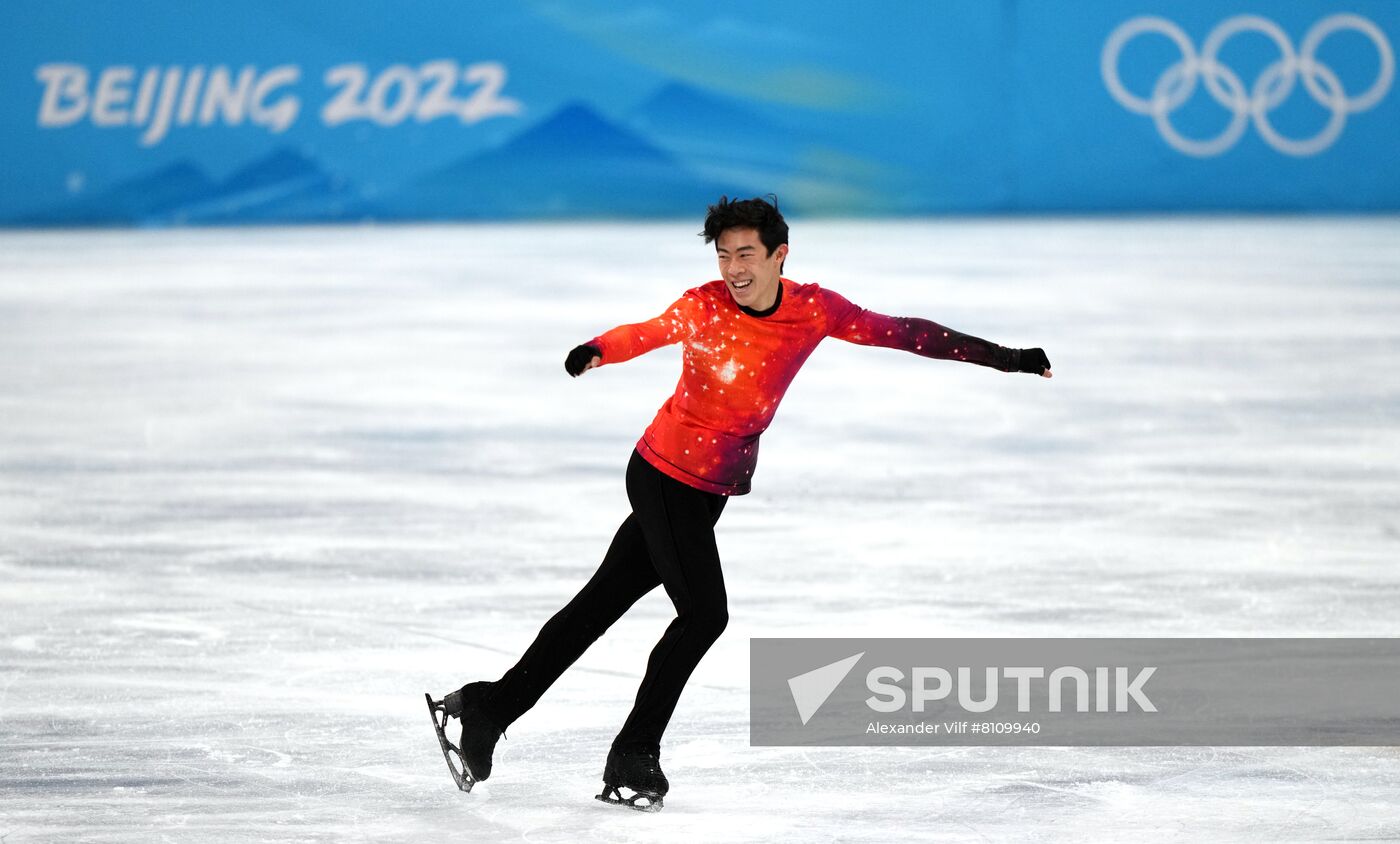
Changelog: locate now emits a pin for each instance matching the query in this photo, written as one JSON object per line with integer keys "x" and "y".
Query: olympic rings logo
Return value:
{"x": 1272, "y": 87}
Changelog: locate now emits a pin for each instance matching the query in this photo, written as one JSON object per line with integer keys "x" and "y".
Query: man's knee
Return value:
{"x": 709, "y": 621}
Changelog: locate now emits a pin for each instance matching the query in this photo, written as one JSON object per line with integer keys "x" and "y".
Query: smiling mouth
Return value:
{"x": 740, "y": 285}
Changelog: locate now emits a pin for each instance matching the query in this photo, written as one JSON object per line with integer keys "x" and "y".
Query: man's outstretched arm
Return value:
{"x": 923, "y": 337}
{"x": 628, "y": 341}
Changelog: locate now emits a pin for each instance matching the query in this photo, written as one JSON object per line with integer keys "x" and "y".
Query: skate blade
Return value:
{"x": 612, "y": 794}
{"x": 461, "y": 774}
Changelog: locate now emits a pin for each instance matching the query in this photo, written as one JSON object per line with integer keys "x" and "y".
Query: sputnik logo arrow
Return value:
{"x": 810, "y": 690}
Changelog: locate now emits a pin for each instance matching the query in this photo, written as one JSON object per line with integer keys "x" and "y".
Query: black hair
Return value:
{"x": 756, "y": 213}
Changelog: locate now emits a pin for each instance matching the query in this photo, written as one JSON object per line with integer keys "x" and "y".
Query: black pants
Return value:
{"x": 668, "y": 539}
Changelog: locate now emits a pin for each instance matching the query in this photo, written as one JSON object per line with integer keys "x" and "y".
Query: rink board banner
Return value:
{"x": 1082, "y": 692}
{"x": 164, "y": 112}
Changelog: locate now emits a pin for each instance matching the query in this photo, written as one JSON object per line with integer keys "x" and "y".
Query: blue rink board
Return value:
{"x": 164, "y": 112}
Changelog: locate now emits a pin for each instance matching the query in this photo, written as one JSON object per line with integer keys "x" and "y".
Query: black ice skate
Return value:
{"x": 479, "y": 735}
{"x": 633, "y": 778}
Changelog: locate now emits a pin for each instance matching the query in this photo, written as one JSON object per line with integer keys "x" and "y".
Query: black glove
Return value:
{"x": 579, "y": 358}
{"x": 1033, "y": 361}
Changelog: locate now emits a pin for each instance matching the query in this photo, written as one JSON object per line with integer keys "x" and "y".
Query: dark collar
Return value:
{"x": 770, "y": 309}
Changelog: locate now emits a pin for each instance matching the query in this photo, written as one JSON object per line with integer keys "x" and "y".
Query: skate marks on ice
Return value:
{"x": 318, "y": 616}
{"x": 259, "y": 488}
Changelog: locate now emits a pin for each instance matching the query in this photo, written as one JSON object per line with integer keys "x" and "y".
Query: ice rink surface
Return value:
{"x": 260, "y": 489}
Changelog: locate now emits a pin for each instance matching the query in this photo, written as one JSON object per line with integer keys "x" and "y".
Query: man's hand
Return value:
{"x": 582, "y": 359}
{"x": 1035, "y": 362}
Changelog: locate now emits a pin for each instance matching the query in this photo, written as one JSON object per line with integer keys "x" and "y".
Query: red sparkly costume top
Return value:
{"x": 737, "y": 366}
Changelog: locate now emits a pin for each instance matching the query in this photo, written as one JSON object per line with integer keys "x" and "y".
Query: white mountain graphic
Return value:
{"x": 810, "y": 690}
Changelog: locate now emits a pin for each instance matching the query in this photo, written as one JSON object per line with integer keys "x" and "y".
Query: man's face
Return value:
{"x": 750, "y": 273}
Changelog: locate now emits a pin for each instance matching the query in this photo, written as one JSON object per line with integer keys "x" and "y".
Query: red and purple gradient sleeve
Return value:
{"x": 854, "y": 324}
{"x": 625, "y": 342}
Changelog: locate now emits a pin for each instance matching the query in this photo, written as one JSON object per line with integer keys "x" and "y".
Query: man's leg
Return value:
{"x": 678, "y": 523}
{"x": 625, "y": 575}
